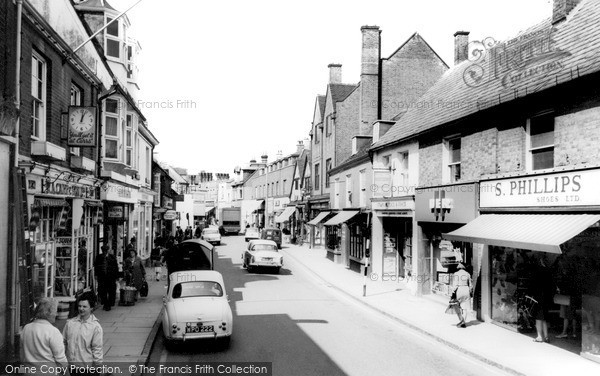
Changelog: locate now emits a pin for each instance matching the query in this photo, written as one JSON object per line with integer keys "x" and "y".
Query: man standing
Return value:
{"x": 107, "y": 271}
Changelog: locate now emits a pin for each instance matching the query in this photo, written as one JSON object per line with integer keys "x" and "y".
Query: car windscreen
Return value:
{"x": 264, "y": 247}
{"x": 197, "y": 288}
{"x": 272, "y": 232}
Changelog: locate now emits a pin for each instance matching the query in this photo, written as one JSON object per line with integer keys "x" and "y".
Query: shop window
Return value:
{"x": 541, "y": 142}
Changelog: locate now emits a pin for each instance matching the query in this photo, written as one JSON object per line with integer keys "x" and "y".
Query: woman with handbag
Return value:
{"x": 462, "y": 281}
{"x": 136, "y": 270}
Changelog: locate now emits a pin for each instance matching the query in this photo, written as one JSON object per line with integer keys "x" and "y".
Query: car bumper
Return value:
{"x": 270, "y": 264}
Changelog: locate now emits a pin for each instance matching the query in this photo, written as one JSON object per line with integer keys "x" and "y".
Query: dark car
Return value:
{"x": 273, "y": 234}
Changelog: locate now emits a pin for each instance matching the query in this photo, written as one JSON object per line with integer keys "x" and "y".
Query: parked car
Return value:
{"x": 196, "y": 307}
{"x": 273, "y": 234}
{"x": 211, "y": 235}
{"x": 262, "y": 253}
{"x": 192, "y": 254}
{"x": 252, "y": 233}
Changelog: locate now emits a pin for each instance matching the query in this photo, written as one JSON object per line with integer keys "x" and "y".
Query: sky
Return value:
{"x": 223, "y": 82}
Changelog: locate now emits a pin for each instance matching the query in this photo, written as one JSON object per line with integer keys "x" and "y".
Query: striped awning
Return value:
{"x": 538, "y": 232}
{"x": 52, "y": 202}
{"x": 316, "y": 220}
{"x": 286, "y": 214}
{"x": 341, "y": 217}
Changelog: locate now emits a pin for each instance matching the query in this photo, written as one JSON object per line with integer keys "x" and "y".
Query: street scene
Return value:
{"x": 325, "y": 188}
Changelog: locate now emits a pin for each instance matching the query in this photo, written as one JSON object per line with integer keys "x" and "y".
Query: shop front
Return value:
{"x": 542, "y": 233}
{"x": 392, "y": 254}
{"x": 142, "y": 229}
{"x": 440, "y": 210}
{"x": 65, "y": 217}
{"x": 318, "y": 210}
{"x": 350, "y": 232}
{"x": 119, "y": 203}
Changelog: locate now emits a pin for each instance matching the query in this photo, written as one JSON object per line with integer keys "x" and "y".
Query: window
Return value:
{"x": 327, "y": 169}
{"x": 111, "y": 123}
{"x": 541, "y": 142}
{"x": 454, "y": 159}
{"x": 129, "y": 61}
{"x": 148, "y": 161}
{"x": 75, "y": 101}
{"x": 283, "y": 186}
{"x": 317, "y": 180}
{"x": 402, "y": 172}
{"x": 113, "y": 41}
{"x": 277, "y": 189}
{"x": 336, "y": 196}
{"x": 327, "y": 126}
{"x": 307, "y": 184}
{"x": 38, "y": 92}
{"x": 348, "y": 190}
{"x": 363, "y": 188}
{"x": 296, "y": 184}
{"x": 316, "y": 134}
{"x": 129, "y": 141}
{"x": 385, "y": 161}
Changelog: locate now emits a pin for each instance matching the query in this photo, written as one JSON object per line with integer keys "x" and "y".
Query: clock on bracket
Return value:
{"x": 82, "y": 126}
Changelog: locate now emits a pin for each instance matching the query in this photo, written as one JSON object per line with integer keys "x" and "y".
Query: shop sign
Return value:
{"x": 393, "y": 205}
{"x": 67, "y": 189}
{"x": 167, "y": 202}
{"x": 115, "y": 212}
{"x": 170, "y": 215}
{"x": 578, "y": 188}
{"x": 397, "y": 213}
{"x": 63, "y": 241}
{"x": 448, "y": 204}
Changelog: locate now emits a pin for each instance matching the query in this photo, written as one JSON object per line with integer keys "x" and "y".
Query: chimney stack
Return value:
{"x": 299, "y": 147}
{"x": 461, "y": 46}
{"x": 369, "y": 78}
{"x": 279, "y": 155}
{"x": 335, "y": 73}
{"x": 561, "y": 8}
{"x": 264, "y": 158}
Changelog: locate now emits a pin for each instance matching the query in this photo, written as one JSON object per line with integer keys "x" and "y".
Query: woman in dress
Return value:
{"x": 136, "y": 270}
{"x": 462, "y": 281}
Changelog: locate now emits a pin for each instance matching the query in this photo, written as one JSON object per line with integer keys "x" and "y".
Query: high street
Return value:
{"x": 304, "y": 327}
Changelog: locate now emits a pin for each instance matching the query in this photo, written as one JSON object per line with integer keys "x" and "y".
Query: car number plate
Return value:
{"x": 267, "y": 258}
{"x": 195, "y": 328}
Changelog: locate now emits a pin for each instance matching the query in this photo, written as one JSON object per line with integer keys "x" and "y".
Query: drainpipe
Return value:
{"x": 13, "y": 257}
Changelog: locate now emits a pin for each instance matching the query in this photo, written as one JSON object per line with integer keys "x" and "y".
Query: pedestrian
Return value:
{"x": 41, "y": 342}
{"x": 462, "y": 280}
{"x": 136, "y": 270}
{"x": 198, "y": 232}
{"x": 83, "y": 336}
{"x": 543, "y": 292}
{"x": 155, "y": 257}
{"x": 107, "y": 272}
{"x": 179, "y": 234}
{"x": 132, "y": 245}
{"x": 188, "y": 233}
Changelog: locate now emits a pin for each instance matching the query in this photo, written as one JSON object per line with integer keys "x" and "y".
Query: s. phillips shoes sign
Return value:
{"x": 575, "y": 188}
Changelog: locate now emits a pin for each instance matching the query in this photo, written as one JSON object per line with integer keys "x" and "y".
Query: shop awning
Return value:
{"x": 316, "y": 220}
{"x": 341, "y": 217}
{"x": 255, "y": 205}
{"x": 209, "y": 209}
{"x": 94, "y": 203}
{"x": 538, "y": 232}
{"x": 53, "y": 202}
{"x": 286, "y": 214}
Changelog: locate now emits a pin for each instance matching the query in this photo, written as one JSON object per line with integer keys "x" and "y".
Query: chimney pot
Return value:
{"x": 461, "y": 46}
{"x": 335, "y": 73}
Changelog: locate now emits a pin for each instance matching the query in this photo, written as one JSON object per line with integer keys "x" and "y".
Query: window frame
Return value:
{"x": 349, "y": 188}
{"x": 450, "y": 165}
{"x": 317, "y": 180}
{"x": 108, "y": 36}
{"x": 327, "y": 169}
{"x": 111, "y": 138}
{"x": 549, "y": 147}
{"x": 38, "y": 132}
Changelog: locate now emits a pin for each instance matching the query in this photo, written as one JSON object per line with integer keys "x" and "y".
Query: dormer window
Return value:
{"x": 114, "y": 39}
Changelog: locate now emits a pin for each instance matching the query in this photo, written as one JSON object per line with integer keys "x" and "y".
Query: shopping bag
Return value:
{"x": 144, "y": 289}
{"x": 450, "y": 310}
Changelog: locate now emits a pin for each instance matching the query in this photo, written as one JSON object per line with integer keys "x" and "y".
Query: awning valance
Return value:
{"x": 52, "y": 202}
{"x": 286, "y": 214}
{"x": 538, "y": 232}
{"x": 341, "y": 217}
{"x": 255, "y": 205}
{"x": 316, "y": 220}
{"x": 94, "y": 203}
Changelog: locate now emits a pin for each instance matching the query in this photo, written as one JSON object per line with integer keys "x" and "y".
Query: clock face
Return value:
{"x": 81, "y": 119}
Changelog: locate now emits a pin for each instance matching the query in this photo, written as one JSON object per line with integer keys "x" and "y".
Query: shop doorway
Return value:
{"x": 397, "y": 246}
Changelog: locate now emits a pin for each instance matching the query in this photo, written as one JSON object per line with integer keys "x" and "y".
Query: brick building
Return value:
{"x": 507, "y": 158}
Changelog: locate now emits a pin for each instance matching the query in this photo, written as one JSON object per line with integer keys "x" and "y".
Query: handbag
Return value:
{"x": 144, "y": 289}
{"x": 450, "y": 310}
{"x": 564, "y": 300}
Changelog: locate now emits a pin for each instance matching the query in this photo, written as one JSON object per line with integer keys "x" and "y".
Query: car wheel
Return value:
{"x": 224, "y": 343}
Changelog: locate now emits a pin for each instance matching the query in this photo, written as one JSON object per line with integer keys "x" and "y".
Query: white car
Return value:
{"x": 211, "y": 235}
{"x": 196, "y": 307}
{"x": 252, "y": 233}
{"x": 262, "y": 253}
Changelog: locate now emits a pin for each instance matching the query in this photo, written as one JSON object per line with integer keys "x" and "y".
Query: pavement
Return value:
{"x": 130, "y": 331}
{"x": 509, "y": 351}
